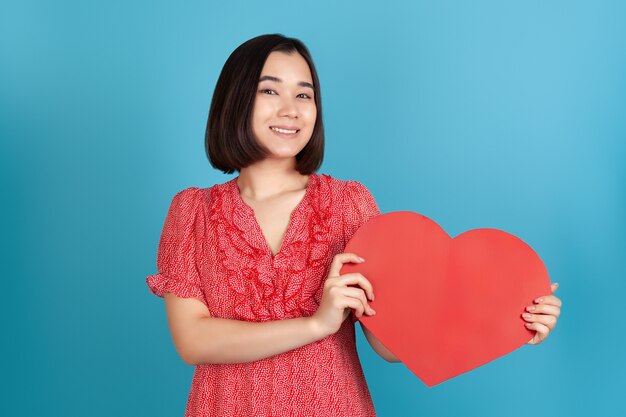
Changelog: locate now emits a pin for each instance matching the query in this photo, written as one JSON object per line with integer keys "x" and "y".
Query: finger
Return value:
{"x": 548, "y": 299}
{"x": 545, "y": 319}
{"x": 359, "y": 294}
{"x": 356, "y": 278}
{"x": 542, "y": 330}
{"x": 544, "y": 309}
{"x": 339, "y": 260}
{"x": 353, "y": 303}
{"x": 554, "y": 287}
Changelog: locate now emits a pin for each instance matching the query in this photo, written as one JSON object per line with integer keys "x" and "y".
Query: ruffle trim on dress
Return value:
{"x": 160, "y": 284}
{"x": 263, "y": 291}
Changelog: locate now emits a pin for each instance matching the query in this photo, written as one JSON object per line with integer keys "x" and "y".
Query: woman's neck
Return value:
{"x": 268, "y": 178}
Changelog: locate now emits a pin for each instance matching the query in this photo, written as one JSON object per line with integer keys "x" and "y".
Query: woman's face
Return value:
{"x": 284, "y": 100}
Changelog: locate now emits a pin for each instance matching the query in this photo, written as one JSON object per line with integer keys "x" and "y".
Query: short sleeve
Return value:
{"x": 359, "y": 206}
{"x": 176, "y": 258}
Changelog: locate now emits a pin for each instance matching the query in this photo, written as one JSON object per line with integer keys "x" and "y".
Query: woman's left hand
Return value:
{"x": 542, "y": 316}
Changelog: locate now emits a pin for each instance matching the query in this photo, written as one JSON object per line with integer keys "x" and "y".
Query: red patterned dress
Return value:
{"x": 212, "y": 248}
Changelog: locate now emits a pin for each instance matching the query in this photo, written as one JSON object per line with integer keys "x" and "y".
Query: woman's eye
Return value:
{"x": 273, "y": 93}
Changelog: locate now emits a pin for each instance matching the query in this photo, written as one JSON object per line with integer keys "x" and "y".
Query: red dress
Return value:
{"x": 212, "y": 248}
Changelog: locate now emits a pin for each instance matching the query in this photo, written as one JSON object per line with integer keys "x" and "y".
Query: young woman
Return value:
{"x": 249, "y": 269}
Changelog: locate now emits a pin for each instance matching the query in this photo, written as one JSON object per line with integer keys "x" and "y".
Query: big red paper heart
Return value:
{"x": 445, "y": 306}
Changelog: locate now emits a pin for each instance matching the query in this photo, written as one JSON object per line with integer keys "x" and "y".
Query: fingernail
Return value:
{"x": 361, "y": 259}
{"x": 372, "y": 311}
{"x": 530, "y": 308}
{"x": 526, "y": 315}
{"x": 538, "y": 300}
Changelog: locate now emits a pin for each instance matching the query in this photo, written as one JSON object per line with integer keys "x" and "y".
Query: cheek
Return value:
{"x": 258, "y": 119}
{"x": 311, "y": 115}
{"x": 260, "y": 110}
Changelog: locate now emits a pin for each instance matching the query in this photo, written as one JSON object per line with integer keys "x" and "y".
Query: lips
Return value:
{"x": 284, "y": 132}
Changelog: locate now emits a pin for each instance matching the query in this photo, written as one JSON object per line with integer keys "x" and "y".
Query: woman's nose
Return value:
{"x": 288, "y": 107}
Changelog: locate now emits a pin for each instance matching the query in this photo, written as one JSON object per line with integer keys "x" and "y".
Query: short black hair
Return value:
{"x": 229, "y": 142}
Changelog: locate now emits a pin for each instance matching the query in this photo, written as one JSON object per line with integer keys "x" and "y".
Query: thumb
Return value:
{"x": 554, "y": 286}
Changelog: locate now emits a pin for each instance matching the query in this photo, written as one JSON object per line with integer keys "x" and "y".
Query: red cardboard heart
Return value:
{"x": 446, "y": 306}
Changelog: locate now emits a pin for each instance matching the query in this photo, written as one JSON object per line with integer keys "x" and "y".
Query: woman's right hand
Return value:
{"x": 338, "y": 298}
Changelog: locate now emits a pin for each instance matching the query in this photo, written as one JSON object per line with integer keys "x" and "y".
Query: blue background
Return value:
{"x": 477, "y": 114}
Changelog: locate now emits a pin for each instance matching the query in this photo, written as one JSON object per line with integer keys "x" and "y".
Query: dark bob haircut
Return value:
{"x": 229, "y": 140}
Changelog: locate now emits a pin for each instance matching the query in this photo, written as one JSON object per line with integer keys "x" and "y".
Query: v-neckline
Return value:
{"x": 290, "y": 224}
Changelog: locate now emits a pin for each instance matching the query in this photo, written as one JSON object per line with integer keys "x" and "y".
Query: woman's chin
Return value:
{"x": 284, "y": 153}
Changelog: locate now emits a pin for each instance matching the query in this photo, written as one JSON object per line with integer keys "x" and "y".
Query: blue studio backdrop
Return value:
{"x": 487, "y": 113}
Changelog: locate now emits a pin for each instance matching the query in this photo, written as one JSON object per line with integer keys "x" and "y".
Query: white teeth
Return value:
{"x": 283, "y": 130}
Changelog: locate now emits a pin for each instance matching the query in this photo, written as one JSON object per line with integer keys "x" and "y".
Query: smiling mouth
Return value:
{"x": 284, "y": 131}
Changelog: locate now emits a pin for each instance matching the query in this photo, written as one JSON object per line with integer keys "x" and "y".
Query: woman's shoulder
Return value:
{"x": 346, "y": 187}
{"x": 191, "y": 194}
{"x": 193, "y": 198}
{"x": 198, "y": 193}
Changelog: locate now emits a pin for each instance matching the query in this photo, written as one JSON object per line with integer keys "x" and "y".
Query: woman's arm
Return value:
{"x": 378, "y": 347}
{"x": 202, "y": 339}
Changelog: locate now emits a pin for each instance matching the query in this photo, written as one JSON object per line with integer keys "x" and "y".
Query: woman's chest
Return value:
{"x": 243, "y": 280}
{"x": 272, "y": 218}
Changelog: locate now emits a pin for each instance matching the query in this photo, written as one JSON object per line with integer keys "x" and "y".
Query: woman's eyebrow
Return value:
{"x": 278, "y": 80}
